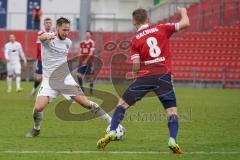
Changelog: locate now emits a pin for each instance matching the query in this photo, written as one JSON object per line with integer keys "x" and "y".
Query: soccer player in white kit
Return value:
{"x": 55, "y": 48}
{"x": 38, "y": 72}
{"x": 12, "y": 52}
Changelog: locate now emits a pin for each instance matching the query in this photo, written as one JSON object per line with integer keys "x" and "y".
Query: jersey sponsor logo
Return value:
{"x": 156, "y": 60}
{"x": 146, "y": 32}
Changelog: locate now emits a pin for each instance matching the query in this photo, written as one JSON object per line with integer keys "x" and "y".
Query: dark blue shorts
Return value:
{"x": 39, "y": 67}
{"x": 161, "y": 85}
{"x": 84, "y": 69}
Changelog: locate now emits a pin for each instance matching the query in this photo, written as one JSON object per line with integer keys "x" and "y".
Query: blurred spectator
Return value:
{"x": 36, "y": 17}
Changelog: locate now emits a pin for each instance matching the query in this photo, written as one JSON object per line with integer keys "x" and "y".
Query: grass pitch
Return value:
{"x": 209, "y": 129}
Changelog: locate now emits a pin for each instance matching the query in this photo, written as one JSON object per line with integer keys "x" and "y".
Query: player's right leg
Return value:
{"x": 117, "y": 117}
{"x": 134, "y": 92}
{"x": 10, "y": 72}
{"x": 45, "y": 95}
{"x": 40, "y": 104}
{"x": 17, "y": 70}
{"x": 9, "y": 83}
{"x": 166, "y": 95}
{"x": 173, "y": 129}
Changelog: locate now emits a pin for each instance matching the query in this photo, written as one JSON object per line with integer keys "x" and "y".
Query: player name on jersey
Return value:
{"x": 146, "y": 32}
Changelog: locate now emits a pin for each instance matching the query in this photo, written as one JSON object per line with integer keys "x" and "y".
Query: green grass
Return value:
{"x": 209, "y": 122}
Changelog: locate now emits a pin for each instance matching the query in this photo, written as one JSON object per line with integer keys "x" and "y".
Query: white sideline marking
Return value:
{"x": 113, "y": 152}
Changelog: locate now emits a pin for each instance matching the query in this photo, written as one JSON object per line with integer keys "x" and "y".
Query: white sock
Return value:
{"x": 18, "y": 80}
{"x": 9, "y": 82}
{"x": 37, "y": 117}
{"x": 96, "y": 109}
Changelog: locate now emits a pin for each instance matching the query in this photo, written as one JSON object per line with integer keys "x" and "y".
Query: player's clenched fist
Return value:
{"x": 181, "y": 10}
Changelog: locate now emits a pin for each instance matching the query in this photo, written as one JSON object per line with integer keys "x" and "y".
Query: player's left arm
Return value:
{"x": 136, "y": 65}
{"x": 184, "y": 22}
{"x": 6, "y": 50}
{"x": 135, "y": 57}
{"x": 22, "y": 55}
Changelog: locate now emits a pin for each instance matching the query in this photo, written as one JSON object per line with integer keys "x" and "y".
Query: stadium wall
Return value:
{"x": 167, "y": 8}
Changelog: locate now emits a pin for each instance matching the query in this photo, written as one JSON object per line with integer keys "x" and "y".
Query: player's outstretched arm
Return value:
{"x": 46, "y": 37}
{"x": 184, "y": 22}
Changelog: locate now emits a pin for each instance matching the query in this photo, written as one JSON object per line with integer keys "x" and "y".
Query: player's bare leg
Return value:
{"x": 173, "y": 129}
{"x": 116, "y": 119}
{"x": 40, "y": 104}
{"x": 9, "y": 83}
{"x": 18, "y": 83}
{"x": 94, "y": 107}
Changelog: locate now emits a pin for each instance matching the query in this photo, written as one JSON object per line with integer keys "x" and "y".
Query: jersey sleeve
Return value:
{"x": 22, "y": 53}
{"x": 6, "y": 52}
{"x": 134, "y": 51}
{"x": 93, "y": 46}
{"x": 170, "y": 28}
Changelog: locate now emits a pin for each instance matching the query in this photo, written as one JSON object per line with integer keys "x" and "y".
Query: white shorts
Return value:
{"x": 47, "y": 90}
{"x": 13, "y": 68}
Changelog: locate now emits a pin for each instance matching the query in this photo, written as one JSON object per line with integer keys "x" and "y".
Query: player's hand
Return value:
{"x": 50, "y": 36}
{"x": 181, "y": 10}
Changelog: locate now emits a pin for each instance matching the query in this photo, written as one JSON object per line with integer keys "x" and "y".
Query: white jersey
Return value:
{"x": 54, "y": 54}
{"x": 13, "y": 52}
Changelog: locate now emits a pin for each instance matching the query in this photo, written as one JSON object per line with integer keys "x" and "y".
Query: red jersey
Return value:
{"x": 86, "y": 47}
{"x": 151, "y": 45}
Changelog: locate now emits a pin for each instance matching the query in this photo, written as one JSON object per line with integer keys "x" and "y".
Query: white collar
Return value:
{"x": 143, "y": 27}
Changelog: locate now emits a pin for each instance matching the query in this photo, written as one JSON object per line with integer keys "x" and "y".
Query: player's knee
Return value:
{"x": 39, "y": 78}
{"x": 173, "y": 118}
{"x": 171, "y": 111}
{"x": 123, "y": 104}
{"x": 78, "y": 75}
{"x": 38, "y": 109}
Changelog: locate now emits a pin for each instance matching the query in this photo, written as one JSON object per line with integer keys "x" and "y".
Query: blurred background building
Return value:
{"x": 206, "y": 55}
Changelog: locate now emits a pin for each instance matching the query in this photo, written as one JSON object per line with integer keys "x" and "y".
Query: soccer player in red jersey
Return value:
{"x": 152, "y": 69}
{"x": 86, "y": 58}
{"x": 38, "y": 72}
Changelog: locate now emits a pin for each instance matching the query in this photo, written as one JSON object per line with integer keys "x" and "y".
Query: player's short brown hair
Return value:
{"x": 88, "y": 31}
{"x": 47, "y": 19}
{"x": 140, "y": 15}
{"x": 62, "y": 20}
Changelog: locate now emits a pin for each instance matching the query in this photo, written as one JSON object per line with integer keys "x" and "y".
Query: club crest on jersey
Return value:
{"x": 67, "y": 46}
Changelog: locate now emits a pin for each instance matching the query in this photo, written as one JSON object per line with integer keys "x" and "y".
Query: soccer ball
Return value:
{"x": 120, "y": 132}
